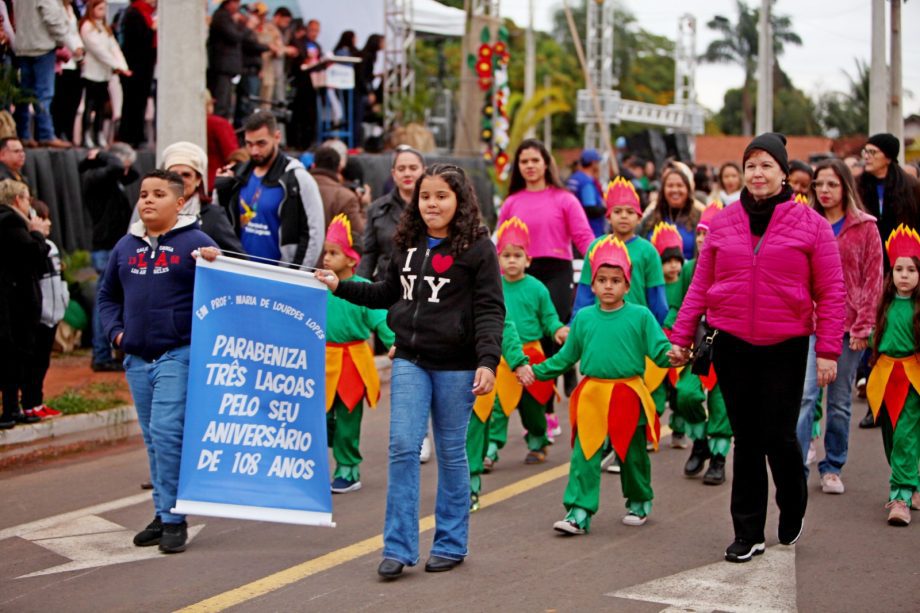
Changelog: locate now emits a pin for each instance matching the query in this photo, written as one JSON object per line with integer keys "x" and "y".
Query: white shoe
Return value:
{"x": 614, "y": 466}
{"x": 812, "y": 453}
{"x": 631, "y": 519}
{"x": 425, "y": 454}
{"x": 568, "y": 527}
{"x": 831, "y": 484}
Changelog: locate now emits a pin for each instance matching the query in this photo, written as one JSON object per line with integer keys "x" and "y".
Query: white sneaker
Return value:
{"x": 679, "y": 441}
{"x": 425, "y": 454}
{"x": 631, "y": 519}
{"x": 568, "y": 527}
{"x": 614, "y": 466}
{"x": 609, "y": 459}
{"x": 812, "y": 453}
{"x": 831, "y": 484}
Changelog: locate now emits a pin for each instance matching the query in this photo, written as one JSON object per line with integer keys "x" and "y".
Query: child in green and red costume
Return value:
{"x": 351, "y": 375}
{"x": 529, "y": 306}
{"x": 670, "y": 247}
{"x": 612, "y": 400}
{"x": 477, "y": 434}
{"x": 892, "y": 390}
{"x": 698, "y": 400}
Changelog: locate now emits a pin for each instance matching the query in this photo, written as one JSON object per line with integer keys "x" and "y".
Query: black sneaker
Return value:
{"x": 7, "y": 422}
{"x": 743, "y": 551}
{"x": 151, "y": 534}
{"x": 789, "y": 534}
{"x": 868, "y": 421}
{"x": 715, "y": 474}
{"x": 174, "y": 538}
{"x": 110, "y": 366}
{"x": 27, "y": 417}
{"x": 697, "y": 459}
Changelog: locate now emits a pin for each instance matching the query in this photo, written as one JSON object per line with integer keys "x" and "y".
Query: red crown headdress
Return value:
{"x": 513, "y": 232}
{"x": 610, "y": 251}
{"x": 709, "y": 213}
{"x": 665, "y": 236}
{"x": 339, "y": 233}
{"x": 621, "y": 192}
{"x": 903, "y": 242}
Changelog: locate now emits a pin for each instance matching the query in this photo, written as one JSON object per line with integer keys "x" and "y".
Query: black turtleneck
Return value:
{"x": 760, "y": 211}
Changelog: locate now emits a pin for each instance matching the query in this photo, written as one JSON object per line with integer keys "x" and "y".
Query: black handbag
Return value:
{"x": 702, "y": 348}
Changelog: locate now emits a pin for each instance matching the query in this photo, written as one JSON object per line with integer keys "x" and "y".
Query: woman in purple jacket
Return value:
{"x": 768, "y": 277}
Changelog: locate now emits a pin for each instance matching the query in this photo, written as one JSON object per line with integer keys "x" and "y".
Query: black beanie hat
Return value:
{"x": 773, "y": 143}
{"x": 887, "y": 143}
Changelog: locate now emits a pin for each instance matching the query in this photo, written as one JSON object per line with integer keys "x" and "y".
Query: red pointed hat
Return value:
{"x": 610, "y": 251}
{"x": 621, "y": 192}
{"x": 903, "y": 242}
{"x": 709, "y": 214}
{"x": 665, "y": 236}
{"x": 339, "y": 233}
{"x": 513, "y": 232}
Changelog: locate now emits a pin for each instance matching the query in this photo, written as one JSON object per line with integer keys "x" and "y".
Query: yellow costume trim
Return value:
{"x": 507, "y": 388}
{"x": 363, "y": 359}
{"x": 654, "y": 375}
{"x": 881, "y": 372}
{"x": 590, "y": 412}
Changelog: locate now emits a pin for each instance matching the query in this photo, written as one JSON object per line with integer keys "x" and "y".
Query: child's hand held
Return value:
{"x": 484, "y": 381}
{"x": 561, "y": 334}
{"x": 525, "y": 375}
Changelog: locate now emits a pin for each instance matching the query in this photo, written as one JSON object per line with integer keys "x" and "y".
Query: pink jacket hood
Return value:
{"x": 792, "y": 287}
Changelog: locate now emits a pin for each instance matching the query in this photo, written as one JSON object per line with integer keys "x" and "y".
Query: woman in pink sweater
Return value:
{"x": 555, "y": 220}
{"x": 768, "y": 277}
{"x": 861, "y": 256}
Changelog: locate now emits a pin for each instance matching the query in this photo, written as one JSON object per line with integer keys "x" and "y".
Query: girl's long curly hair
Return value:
{"x": 465, "y": 227}
{"x": 888, "y": 295}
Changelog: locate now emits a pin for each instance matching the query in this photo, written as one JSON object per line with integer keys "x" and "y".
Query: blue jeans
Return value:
{"x": 102, "y": 349}
{"x": 839, "y": 408}
{"x": 158, "y": 389}
{"x": 448, "y": 397}
{"x": 36, "y": 75}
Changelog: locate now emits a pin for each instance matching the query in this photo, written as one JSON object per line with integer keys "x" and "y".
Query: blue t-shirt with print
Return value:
{"x": 261, "y": 223}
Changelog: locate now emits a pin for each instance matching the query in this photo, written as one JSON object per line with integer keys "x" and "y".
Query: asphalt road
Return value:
{"x": 65, "y": 530}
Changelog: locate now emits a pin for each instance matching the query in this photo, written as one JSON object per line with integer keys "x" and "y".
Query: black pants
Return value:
{"x": 221, "y": 86}
{"x": 68, "y": 90}
{"x": 557, "y": 276}
{"x": 37, "y": 367}
{"x": 136, "y": 90}
{"x": 762, "y": 386}
{"x": 97, "y": 96}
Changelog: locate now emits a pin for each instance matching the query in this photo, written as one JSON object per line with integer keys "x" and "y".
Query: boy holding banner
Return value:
{"x": 351, "y": 375}
{"x": 145, "y": 302}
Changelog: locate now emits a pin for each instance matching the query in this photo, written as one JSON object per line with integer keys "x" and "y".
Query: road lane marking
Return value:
{"x": 278, "y": 580}
{"x": 54, "y": 520}
{"x": 764, "y": 585}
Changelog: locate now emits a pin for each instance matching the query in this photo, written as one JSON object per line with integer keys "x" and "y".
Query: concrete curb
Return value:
{"x": 109, "y": 425}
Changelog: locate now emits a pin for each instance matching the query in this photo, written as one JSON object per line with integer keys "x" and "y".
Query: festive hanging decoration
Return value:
{"x": 491, "y": 68}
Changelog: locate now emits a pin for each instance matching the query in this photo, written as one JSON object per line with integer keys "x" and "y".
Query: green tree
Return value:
{"x": 739, "y": 45}
{"x": 793, "y": 111}
{"x": 847, "y": 113}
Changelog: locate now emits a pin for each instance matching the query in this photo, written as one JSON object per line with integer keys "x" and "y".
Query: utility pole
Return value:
{"x": 764, "y": 71}
{"x": 895, "y": 108}
{"x": 878, "y": 78}
{"x": 181, "y": 36}
{"x": 530, "y": 65}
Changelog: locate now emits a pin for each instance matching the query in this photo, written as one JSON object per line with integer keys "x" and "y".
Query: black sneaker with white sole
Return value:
{"x": 174, "y": 538}
{"x": 789, "y": 534}
{"x": 743, "y": 551}
{"x": 150, "y": 535}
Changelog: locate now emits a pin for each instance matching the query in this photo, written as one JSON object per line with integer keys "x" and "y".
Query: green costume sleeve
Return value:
{"x": 549, "y": 319}
{"x": 377, "y": 321}
{"x": 512, "y": 349}
{"x": 566, "y": 358}
{"x": 657, "y": 343}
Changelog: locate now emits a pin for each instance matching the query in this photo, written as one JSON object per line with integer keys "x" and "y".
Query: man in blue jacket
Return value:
{"x": 145, "y": 302}
{"x": 585, "y": 186}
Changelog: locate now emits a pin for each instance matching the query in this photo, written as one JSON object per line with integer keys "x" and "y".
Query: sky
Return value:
{"x": 834, "y": 34}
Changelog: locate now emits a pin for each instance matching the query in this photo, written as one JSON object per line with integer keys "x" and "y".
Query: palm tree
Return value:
{"x": 738, "y": 45}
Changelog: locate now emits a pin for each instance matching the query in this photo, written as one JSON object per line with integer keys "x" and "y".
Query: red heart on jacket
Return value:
{"x": 442, "y": 263}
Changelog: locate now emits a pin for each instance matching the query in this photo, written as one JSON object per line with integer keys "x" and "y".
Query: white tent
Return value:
{"x": 366, "y": 17}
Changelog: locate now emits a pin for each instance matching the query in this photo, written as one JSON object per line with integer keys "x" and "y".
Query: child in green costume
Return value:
{"x": 612, "y": 400}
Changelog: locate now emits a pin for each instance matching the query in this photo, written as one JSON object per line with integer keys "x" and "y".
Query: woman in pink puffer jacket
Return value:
{"x": 768, "y": 277}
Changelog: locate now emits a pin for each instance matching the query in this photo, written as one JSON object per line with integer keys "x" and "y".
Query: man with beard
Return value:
{"x": 274, "y": 203}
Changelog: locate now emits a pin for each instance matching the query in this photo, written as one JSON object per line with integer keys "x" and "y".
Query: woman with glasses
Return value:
{"x": 889, "y": 194}
{"x": 861, "y": 256}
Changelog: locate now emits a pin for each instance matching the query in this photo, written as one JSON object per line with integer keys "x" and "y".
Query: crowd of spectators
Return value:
{"x": 73, "y": 54}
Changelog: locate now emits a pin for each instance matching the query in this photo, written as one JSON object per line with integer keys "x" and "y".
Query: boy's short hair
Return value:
{"x": 174, "y": 180}
{"x": 612, "y": 267}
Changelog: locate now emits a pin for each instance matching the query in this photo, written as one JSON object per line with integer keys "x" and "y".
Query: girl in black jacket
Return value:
{"x": 444, "y": 295}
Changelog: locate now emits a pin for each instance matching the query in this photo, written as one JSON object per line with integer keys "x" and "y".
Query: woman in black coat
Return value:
{"x": 23, "y": 253}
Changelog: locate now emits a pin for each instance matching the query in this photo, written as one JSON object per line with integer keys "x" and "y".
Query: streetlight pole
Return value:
{"x": 895, "y": 108}
{"x": 878, "y": 89}
{"x": 764, "y": 71}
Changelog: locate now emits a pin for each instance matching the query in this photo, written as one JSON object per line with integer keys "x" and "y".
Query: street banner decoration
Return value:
{"x": 255, "y": 422}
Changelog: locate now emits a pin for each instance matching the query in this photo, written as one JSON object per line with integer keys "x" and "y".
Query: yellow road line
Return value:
{"x": 296, "y": 573}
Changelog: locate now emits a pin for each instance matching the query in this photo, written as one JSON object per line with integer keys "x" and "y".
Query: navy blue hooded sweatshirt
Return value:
{"x": 147, "y": 293}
